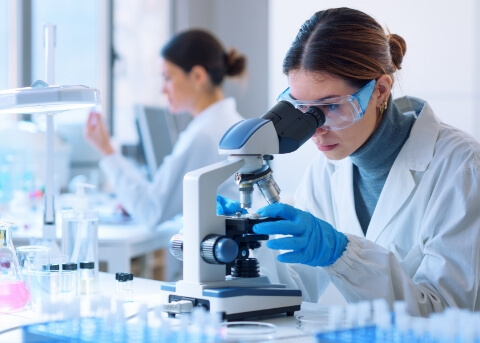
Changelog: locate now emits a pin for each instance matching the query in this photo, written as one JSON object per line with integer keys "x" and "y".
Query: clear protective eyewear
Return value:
{"x": 340, "y": 112}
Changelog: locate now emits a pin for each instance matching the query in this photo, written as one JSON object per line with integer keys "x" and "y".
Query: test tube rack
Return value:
{"x": 98, "y": 330}
{"x": 363, "y": 324}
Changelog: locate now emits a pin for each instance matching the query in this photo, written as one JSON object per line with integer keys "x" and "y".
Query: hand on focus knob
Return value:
{"x": 312, "y": 241}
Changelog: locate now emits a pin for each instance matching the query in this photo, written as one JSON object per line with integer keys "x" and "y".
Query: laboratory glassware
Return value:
{"x": 68, "y": 279}
{"x": 34, "y": 262}
{"x": 14, "y": 294}
{"x": 80, "y": 233}
{"x": 86, "y": 280}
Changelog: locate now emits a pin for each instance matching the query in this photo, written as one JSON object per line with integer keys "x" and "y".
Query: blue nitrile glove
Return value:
{"x": 313, "y": 242}
{"x": 227, "y": 206}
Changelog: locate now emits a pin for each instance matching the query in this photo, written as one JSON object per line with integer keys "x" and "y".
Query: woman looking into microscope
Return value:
{"x": 390, "y": 208}
{"x": 193, "y": 66}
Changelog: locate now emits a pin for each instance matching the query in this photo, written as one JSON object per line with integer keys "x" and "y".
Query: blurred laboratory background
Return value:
{"x": 113, "y": 45}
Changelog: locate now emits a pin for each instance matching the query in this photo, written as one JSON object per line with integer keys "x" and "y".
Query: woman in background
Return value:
{"x": 193, "y": 65}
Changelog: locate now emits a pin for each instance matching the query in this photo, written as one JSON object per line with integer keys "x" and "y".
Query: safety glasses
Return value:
{"x": 340, "y": 112}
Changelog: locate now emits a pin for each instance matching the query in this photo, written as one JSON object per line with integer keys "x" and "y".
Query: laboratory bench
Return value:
{"x": 118, "y": 242}
{"x": 146, "y": 291}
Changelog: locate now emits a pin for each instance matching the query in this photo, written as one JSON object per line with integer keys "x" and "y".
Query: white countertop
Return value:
{"x": 145, "y": 292}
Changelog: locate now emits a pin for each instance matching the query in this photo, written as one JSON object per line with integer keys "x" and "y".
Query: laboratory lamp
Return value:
{"x": 50, "y": 99}
{"x": 42, "y": 97}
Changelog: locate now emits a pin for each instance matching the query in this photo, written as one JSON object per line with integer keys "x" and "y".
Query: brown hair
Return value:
{"x": 345, "y": 43}
{"x": 199, "y": 47}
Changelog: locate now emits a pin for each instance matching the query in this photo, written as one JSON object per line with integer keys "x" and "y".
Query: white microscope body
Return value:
{"x": 208, "y": 246}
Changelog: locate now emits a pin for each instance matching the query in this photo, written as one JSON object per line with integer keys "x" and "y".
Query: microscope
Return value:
{"x": 218, "y": 272}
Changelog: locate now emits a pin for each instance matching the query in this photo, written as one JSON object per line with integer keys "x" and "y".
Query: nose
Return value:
{"x": 320, "y": 131}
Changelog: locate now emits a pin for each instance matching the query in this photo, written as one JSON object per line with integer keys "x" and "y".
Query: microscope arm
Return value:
{"x": 199, "y": 207}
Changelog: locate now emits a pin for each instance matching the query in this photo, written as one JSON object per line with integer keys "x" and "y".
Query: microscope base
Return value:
{"x": 236, "y": 303}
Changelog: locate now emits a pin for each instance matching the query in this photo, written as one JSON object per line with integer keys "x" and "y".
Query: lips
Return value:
{"x": 324, "y": 147}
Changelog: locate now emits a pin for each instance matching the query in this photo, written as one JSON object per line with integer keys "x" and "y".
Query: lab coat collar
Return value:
{"x": 215, "y": 111}
{"x": 415, "y": 155}
{"x": 419, "y": 148}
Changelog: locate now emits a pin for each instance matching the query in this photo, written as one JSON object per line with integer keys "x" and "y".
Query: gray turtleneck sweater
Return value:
{"x": 374, "y": 159}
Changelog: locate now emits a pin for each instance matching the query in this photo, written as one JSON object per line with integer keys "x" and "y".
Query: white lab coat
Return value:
{"x": 423, "y": 241}
{"x": 197, "y": 146}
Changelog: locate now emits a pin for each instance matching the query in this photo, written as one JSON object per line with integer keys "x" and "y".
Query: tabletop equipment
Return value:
{"x": 218, "y": 272}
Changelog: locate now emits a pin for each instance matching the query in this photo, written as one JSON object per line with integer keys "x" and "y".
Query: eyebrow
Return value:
{"x": 322, "y": 99}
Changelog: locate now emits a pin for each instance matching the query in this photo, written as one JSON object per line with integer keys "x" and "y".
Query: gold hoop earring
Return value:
{"x": 383, "y": 107}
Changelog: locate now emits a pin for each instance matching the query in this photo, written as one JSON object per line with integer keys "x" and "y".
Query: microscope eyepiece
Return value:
{"x": 317, "y": 114}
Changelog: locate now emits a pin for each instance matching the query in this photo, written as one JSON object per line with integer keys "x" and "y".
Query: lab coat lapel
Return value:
{"x": 415, "y": 155}
{"x": 398, "y": 187}
{"x": 342, "y": 185}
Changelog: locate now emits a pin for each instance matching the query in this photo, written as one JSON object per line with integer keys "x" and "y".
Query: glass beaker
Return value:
{"x": 13, "y": 291}
{"x": 34, "y": 263}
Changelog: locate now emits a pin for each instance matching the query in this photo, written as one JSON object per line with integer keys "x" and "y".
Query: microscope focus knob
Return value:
{"x": 216, "y": 249}
{"x": 176, "y": 246}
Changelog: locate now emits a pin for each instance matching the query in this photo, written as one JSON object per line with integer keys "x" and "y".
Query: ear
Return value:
{"x": 199, "y": 75}
{"x": 383, "y": 89}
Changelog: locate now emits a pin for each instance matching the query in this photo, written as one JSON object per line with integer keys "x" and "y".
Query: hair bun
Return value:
{"x": 235, "y": 62}
{"x": 398, "y": 48}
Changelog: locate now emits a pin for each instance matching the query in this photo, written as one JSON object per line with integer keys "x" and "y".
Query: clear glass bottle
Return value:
{"x": 13, "y": 291}
{"x": 54, "y": 280}
{"x": 121, "y": 286}
{"x": 80, "y": 232}
{"x": 68, "y": 279}
{"x": 129, "y": 288}
{"x": 86, "y": 279}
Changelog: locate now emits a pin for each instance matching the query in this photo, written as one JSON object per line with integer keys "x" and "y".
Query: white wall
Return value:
{"x": 242, "y": 25}
{"x": 440, "y": 66}
{"x": 140, "y": 30}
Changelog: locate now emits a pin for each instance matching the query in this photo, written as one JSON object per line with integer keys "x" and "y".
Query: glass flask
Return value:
{"x": 13, "y": 291}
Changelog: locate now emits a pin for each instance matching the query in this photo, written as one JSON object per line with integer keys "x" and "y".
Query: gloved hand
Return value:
{"x": 313, "y": 242}
{"x": 227, "y": 206}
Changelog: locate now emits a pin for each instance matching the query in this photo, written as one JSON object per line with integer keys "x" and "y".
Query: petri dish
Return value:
{"x": 249, "y": 331}
{"x": 327, "y": 319}
{"x": 313, "y": 323}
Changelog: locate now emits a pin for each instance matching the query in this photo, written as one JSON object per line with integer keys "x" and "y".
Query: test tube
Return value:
{"x": 69, "y": 278}
{"x": 117, "y": 283}
{"x": 54, "y": 279}
{"x": 129, "y": 287}
{"x": 335, "y": 317}
{"x": 381, "y": 314}
{"x": 87, "y": 277}
{"x": 122, "y": 286}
